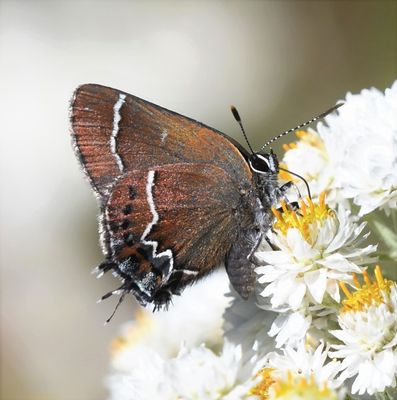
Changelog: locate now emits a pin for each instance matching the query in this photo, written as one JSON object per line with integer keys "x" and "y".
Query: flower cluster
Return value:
{"x": 323, "y": 322}
{"x": 368, "y": 335}
{"x": 354, "y": 153}
{"x": 318, "y": 248}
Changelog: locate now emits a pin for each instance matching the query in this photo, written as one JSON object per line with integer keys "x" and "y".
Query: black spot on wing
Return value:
{"x": 131, "y": 192}
{"x": 127, "y": 209}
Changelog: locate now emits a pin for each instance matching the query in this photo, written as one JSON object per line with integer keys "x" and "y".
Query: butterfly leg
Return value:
{"x": 288, "y": 185}
{"x": 104, "y": 267}
{"x": 282, "y": 194}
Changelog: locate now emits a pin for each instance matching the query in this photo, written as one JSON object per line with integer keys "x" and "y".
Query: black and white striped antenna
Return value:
{"x": 302, "y": 125}
{"x": 237, "y": 117}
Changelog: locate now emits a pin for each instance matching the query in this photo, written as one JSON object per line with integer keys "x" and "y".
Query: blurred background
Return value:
{"x": 279, "y": 62}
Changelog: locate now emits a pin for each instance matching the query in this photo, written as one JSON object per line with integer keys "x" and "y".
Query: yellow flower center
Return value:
{"x": 309, "y": 214}
{"x": 262, "y": 388}
{"x": 370, "y": 293}
{"x": 299, "y": 387}
{"x": 294, "y": 387}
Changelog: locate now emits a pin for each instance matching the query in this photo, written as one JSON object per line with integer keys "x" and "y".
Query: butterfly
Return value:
{"x": 177, "y": 198}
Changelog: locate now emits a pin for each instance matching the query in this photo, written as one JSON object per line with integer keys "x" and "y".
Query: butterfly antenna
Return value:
{"x": 302, "y": 125}
{"x": 237, "y": 117}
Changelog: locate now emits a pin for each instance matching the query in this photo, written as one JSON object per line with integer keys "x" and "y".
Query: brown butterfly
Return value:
{"x": 177, "y": 198}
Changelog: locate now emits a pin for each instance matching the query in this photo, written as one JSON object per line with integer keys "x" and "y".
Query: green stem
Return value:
{"x": 394, "y": 220}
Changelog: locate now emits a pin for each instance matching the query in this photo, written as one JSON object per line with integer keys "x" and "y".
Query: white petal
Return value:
{"x": 272, "y": 257}
{"x": 339, "y": 263}
{"x": 300, "y": 249}
{"x": 316, "y": 282}
{"x": 333, "y": 289}
{"x": 297, "y": 293}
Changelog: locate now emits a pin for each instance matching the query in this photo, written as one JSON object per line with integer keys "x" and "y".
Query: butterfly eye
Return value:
{"x": 259, "y": 163}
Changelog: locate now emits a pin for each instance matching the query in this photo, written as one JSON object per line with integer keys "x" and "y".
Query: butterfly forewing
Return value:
{"x": 114, "y": 132}
{"x": 92, "y": 119}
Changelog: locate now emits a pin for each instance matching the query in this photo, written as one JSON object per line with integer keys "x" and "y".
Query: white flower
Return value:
{"x": 196, "y": 374}
{"x": 187, "y": 321}
{"x": 146, "y": 380}
{"x": 259, "y": 331}
{"x": 368, "y": 322}
{"x": 318, "y": 248}
{"x": 300, "y": 374}
{"x": 290, "y": 328}
{"x": 161, "y": 355}
{"x": 361, "y": 144}
{"x": 201, "y": 374}
{"x": 353, "y": 155}
{"x": 310, "y": 323}
{"x": 308, "y": 157}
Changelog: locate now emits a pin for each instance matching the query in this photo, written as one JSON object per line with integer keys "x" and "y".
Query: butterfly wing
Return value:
{"x": 178, "y": 224}
{"x": 115, "y": 132}
{"x": 203, "y": 193}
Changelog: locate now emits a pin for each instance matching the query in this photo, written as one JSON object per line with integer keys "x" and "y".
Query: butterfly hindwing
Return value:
{"x": 177, "y": 226}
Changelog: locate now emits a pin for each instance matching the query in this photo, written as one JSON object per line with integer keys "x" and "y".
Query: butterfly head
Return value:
{"x": 264, "y": 163}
